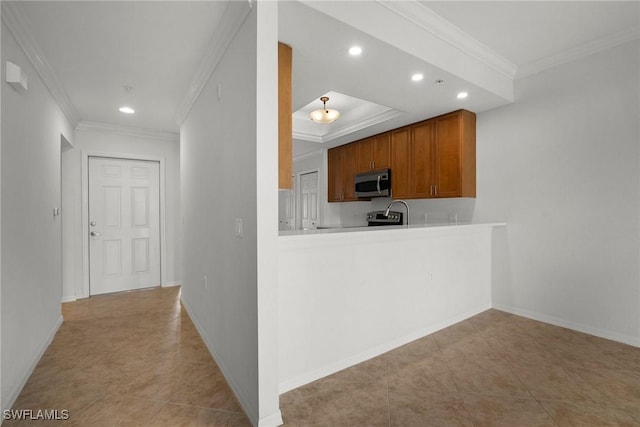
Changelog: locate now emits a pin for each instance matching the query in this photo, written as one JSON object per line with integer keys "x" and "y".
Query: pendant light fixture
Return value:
{"x": 324, "y": 115}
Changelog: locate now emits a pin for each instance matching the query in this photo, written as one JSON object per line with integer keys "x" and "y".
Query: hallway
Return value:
{"x": 131, "y": 358}
{"x": 136, "y": 359}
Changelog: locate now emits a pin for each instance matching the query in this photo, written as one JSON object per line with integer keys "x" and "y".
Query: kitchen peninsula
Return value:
{"x": 346, "y": 295}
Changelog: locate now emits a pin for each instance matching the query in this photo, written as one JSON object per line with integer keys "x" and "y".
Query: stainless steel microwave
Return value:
{"x": 373, "y": 184}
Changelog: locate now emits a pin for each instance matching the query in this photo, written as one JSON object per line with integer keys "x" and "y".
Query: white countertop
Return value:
{"x": 415, "y": 227}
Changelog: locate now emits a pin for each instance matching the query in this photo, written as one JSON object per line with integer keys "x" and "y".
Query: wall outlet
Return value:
{"x": 205, "y": 282}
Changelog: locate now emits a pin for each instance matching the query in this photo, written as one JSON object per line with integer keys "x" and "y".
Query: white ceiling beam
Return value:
{"x": 414, "y": 28}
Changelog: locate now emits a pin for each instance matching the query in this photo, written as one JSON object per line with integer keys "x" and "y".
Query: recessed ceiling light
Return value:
{"x": 462, "y": 95}
{"x": 126, "y": 110}
{"x": 417, "y": 77}
{"x": 355, "y": 51}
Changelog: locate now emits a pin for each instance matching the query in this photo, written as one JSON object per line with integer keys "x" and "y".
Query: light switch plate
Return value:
{"x": 239, "y": 231}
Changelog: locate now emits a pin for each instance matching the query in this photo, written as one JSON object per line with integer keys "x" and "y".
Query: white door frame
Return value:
{"x": 84, "y": 292}
{"x": 298, "y": 195}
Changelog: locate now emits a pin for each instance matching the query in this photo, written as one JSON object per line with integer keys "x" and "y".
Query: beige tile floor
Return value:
{"x": 494, "y": 369}
{"x": 130, "y": 359}
{"x": 135, "y": 359}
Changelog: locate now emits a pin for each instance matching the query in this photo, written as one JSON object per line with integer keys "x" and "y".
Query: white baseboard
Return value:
{"x": 70, "y": 298}
{"x": 171, "y": 284}
{"x": 556, "y": 321}
{"x": 250, "y": 412}
{"x": 334, "y": 367}
{"x": 15, "y": 391}
{"x": 273, "y": 420}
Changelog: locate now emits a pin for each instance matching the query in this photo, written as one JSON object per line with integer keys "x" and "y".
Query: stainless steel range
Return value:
{"x": 378, "y": 218}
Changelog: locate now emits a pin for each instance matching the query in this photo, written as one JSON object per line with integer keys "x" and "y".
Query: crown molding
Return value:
{"x": 15, "y": 22}
{"x": 127, "y": 131}
{"x": 428, "y": 20}
{"x": 306, "y": 136}
{"x": 350, "y": 128}
{"x": 234, "y": 16}
{"x": 578, "y": 52}
{"x": 308, "y": 155}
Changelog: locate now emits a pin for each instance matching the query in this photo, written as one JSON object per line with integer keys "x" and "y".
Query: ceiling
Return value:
{"x": 527, "y": 36}
{"x": 527, "y": 31}
{"x": 96, "y": 48}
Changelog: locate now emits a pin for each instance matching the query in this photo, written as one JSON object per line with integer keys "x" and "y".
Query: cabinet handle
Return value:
{"x": 436, "y": 187}
{"x": 431, "y": 190}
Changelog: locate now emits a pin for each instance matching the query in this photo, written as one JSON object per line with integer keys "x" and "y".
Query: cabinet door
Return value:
{"x": 422, "y": 160}
{"x": 381, "y": 151}
{"x": 448, "y": 165}
{"x": 364, "y": 155}
{"x": 349, "y": 153}
{"x": 400, "y": 164}
{"x": 334, "y": 173}
{"x": 285, "y": 141}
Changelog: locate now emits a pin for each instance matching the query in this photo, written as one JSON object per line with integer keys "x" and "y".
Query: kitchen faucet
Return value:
{"x": 386, "y": 213}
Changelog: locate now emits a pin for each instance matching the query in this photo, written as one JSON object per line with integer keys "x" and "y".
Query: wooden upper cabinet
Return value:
{"x": 432, "y": 158}
{"x": 422, "y": 159}
{"x": 401, "y": 164}
{"x": 373, "y": 153}
{"x": 341, "y": 173}
{"x": 412, "y": 155}
{"x": 349, "y": 172}
{"x": 334, "y": 175}
{"x": 363, "y": 155}
{"x": 435, "y": 158}
{"x": 455, "y": 161}
{"x": 285, "y": 122}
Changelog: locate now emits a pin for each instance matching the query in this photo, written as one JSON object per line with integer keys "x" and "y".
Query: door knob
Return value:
{"x": 94, "y": 234}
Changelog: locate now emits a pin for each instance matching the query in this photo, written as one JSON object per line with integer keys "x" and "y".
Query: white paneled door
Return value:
{"x": 309, "y": 199}
{"x": 124, "y": 225}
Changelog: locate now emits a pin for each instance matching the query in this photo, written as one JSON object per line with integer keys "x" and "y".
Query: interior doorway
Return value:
{"x": 124, "y": 224}
{"x": 308, "y": 199}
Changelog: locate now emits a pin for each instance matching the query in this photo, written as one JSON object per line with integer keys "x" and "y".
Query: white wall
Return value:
{"x": 337, "y": 308}
{"x": 228, "y": 157}
{"x": 2, "y": 407}
{"x": 267, "y": 213}
{"x": 117, "y": 142}
{"x": 561, "y": 167}
{"x": 32, "y": 124}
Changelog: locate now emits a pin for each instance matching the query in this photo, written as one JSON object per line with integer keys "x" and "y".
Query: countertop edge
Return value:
{"x": 395, "y": 230}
